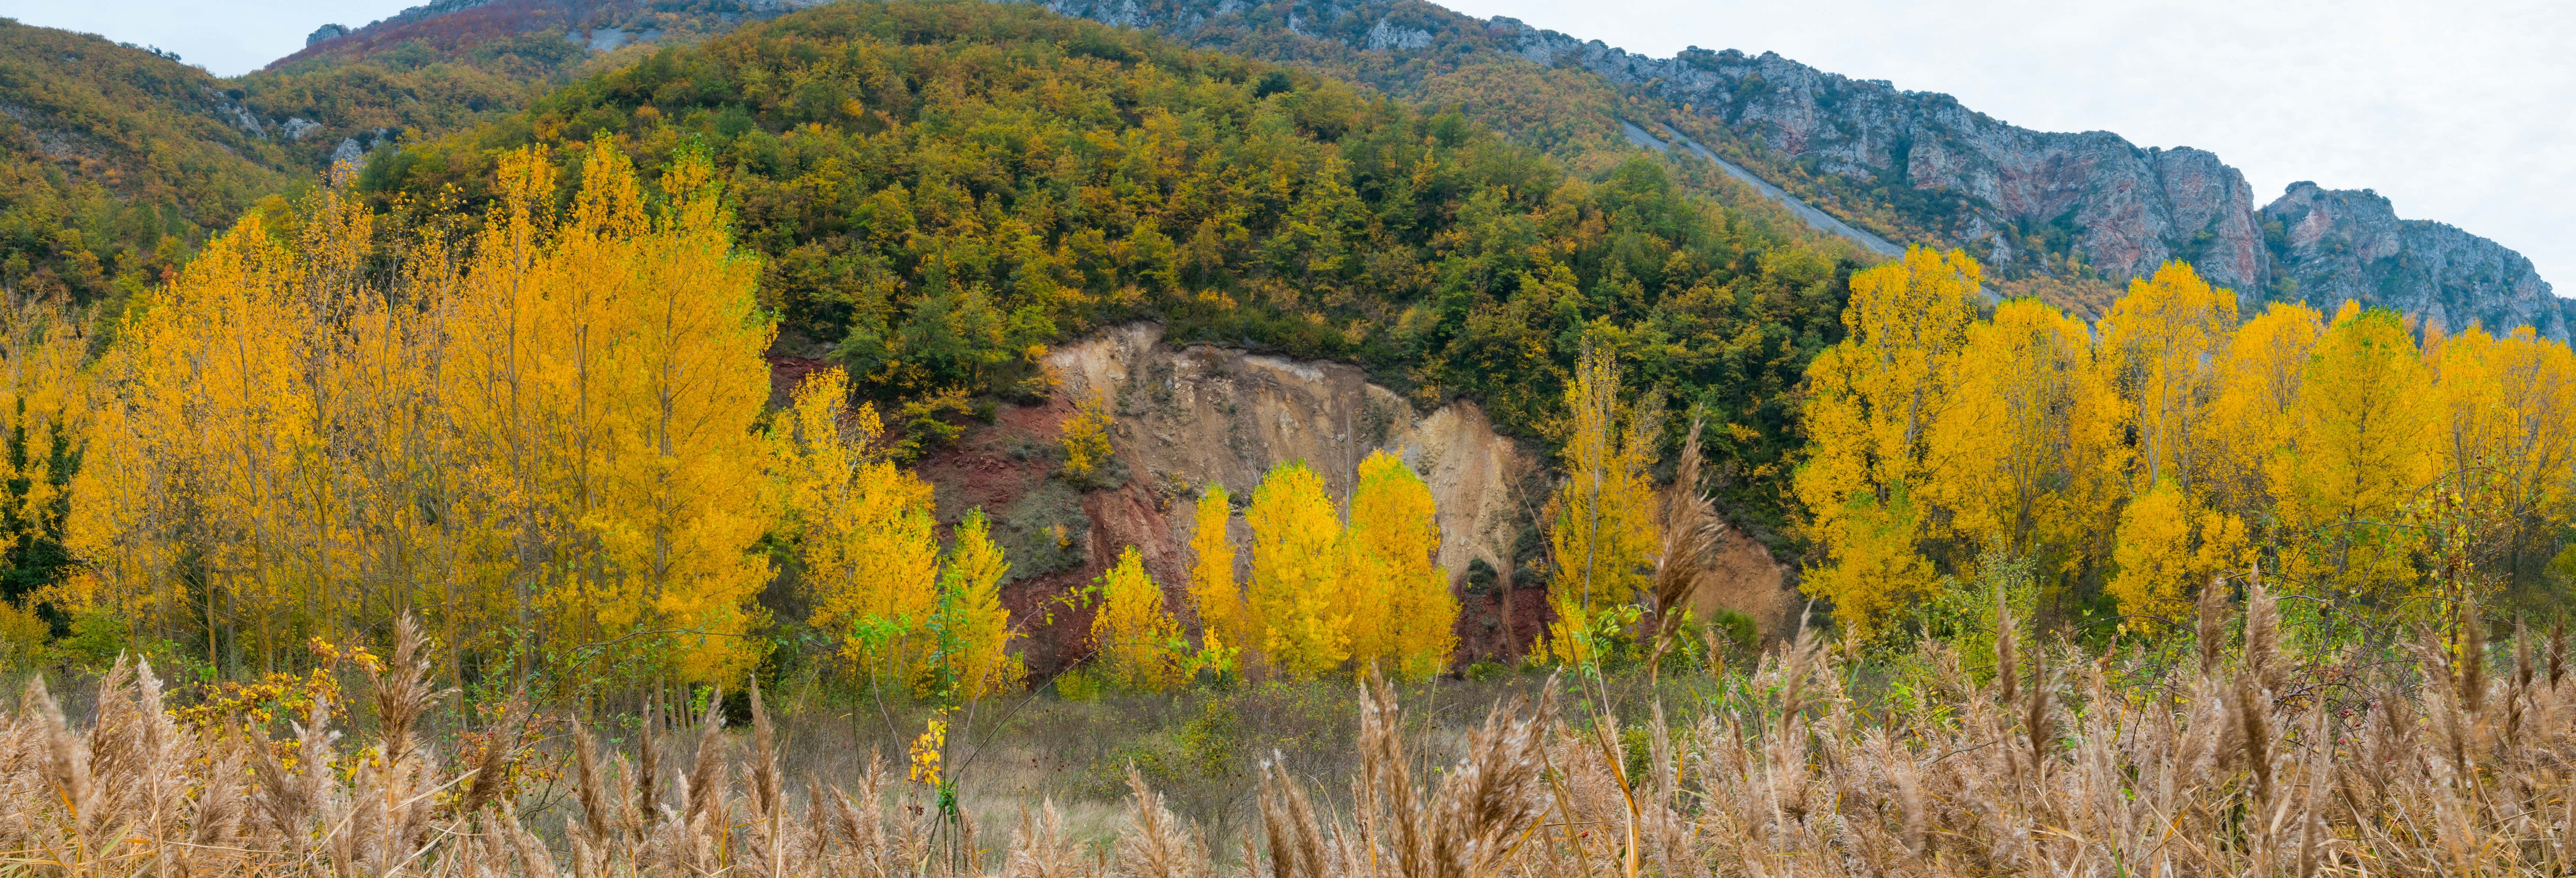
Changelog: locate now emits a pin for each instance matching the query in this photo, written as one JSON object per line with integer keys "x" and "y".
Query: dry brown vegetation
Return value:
{"x": 2249, "y": 763}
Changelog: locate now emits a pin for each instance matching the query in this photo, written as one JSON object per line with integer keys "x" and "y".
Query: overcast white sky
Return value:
{"x": 2463, "y": 112}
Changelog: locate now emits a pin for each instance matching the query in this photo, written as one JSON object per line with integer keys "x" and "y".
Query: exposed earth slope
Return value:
{"x": 1191, "y": 415}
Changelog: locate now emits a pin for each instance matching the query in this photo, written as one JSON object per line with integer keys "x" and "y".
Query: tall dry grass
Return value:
{"x": 2250, "y": 764}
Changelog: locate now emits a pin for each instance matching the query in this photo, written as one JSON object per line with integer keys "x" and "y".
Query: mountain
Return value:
{"x": 451, "y": 64}
{"x": 2330, "y": 245}
{"x": 454, "y": 28}
{"x": 116, "y": 162}
{"x": 2067, "y": 216}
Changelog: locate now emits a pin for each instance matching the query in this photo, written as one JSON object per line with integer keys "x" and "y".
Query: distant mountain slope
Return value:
{"x": 453, "y": 28}
{"x": 1816, "y": 219}
{"x": 115, "y": 162}
{"x": 2069, "y": 216}
{"x": 2330, "y": 245}
{"x": 446, "y": 65}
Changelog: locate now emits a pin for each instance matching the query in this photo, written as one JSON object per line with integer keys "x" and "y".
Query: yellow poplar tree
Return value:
{"x": 977, "y": 627}
{"x": 2361, "y": 443}
{"x": 214, "y": 446}
{"x": 1302, "y": 629}
{"x": 1086, "y": 437}
{"x": 2264, "y": 364}
{"x": 1873, "y": 400}
{"x": 866, "y": 555}
{"x": 615, "y": 374}
{"x": 2027, "y": 453}
{"x": 1404, "y": 615}
{"x": 43, "y": 415}
{"x": 1222, "y": 618}
{"x": 1132, "y": 633}
{"x": 1604, "y": 529}
{"x": 2168, "y": 550}
{"x": 548, "y": 441}
{"x": 2161, "y": 344}
{"x": 2507, "y": 433}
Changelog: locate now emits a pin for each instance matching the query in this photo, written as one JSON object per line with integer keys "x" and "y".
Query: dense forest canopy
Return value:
{"x": 941, "y": 189}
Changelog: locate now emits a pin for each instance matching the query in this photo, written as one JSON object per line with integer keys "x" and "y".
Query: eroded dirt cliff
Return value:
{"x": 1189, "y": 416}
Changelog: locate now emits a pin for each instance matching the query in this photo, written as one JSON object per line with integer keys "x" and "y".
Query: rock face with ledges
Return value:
{"x": 2332, "y": 245}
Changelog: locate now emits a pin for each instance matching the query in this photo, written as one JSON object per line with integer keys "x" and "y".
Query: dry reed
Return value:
{"x": 2061, "y": 768}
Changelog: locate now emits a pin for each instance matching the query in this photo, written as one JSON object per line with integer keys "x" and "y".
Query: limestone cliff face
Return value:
{"x": 2031, "y": 202}
{"x": 2332, "y": 245}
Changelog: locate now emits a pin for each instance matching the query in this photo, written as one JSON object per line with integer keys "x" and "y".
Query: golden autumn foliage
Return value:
{"x": 973, "y": 627}
{"x": 2359, "y": 445}
{"x": 2509, "y": 430}
{"x": 1136, "y": 643}
{"x": 1213, "y": 591}
{"x": 1327, "y": 597}
{"x": 543, "y": 439}
{"x": 1302, "y": 628}
{"x": 1874, "y": 400}
{"x": 2027, "y": 452}
{"x": 1403, "y": 613}
{"x": 2258, "y": 385}
{"x": 1877, "y": 571}
{"x": 1602, "y": 521}
{"x": 608, "y": 365}
{"x": 2168, "y": 548}
{"x": 44, "y": 413}
{"x": 2174, "y": 447}
{"x": 1086, "y": 438}
{"x": 2160, "y": 347}
{"x": 867, "y": 555}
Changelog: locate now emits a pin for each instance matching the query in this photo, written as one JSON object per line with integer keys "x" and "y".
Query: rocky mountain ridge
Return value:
{"x": 2088, "y": 209}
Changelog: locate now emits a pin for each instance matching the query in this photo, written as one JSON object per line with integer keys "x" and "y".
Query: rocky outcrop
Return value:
{"x": 1185, "y": 417}
{"x": 1197, "y": 415}
{"x": 2031, "y": 202}
{"x": 2332, "y": 245}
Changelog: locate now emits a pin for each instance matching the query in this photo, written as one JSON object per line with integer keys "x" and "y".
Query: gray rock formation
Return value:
{"x": 2332, "y": 245}
{"x": 2030, "y": 202}
{"x": 1388, "y": 36}
{"x": 326, "y": 32}
{"x": 350, "y": 154}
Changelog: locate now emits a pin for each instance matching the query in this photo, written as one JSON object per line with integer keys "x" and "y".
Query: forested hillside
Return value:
{"x": 116, "y": 162}
{"x": 2069, "y": 217}
{"x": 942, "y": 190}
{"x": 442, "y": 67}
